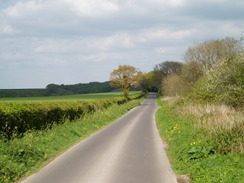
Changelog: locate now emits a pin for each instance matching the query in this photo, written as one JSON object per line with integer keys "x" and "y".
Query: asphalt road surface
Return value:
{"x": 128, "y": 151}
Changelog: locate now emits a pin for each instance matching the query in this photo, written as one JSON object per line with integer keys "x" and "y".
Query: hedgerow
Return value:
{"x": 19, "y": 117}
{"x": 20, "y": 157}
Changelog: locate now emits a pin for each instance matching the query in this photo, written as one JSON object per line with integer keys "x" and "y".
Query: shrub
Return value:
{"x": 17, "y": 117}
{"x": 173, "y": 85}
{"x": 225, "y": 81}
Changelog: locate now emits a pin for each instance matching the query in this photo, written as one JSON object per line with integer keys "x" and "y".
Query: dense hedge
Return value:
{"x": 18, "y": 117}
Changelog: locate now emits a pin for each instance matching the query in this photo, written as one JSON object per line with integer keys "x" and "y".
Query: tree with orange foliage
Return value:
{"x": 127, "y": 78}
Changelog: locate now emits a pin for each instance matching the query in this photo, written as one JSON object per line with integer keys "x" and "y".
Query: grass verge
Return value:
{"x": 205, "y": 153}
{"x": 21, "y": 157}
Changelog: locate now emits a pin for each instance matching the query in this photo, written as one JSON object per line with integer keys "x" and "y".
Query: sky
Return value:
{"x": 80, "y": 41}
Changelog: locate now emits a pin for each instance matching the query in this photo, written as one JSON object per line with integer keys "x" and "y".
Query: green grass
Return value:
{"x": 92, "y": 96}
{"x": 23, "y": 156}
{"x": 192, "y": 152}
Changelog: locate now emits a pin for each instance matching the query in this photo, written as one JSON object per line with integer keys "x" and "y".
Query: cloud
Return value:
{"x": 165, "y": 49}
{"x": 73, "y": 41}
{"x": 92, "y": 8}
{"x": 7, "y": 29}
{"x": 167, "y": 34}
{"x": 113, "y": 42}
{"x": 22, "y": 9}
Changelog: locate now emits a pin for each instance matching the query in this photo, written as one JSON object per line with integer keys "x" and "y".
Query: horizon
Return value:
{"x": 49, "y": 84}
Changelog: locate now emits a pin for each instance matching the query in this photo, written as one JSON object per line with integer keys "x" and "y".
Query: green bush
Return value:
{"x": 18, "y": 117}
{"x": 224, "y": 83}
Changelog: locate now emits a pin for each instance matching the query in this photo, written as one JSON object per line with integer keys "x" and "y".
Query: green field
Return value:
{"x": 92, "y": 96}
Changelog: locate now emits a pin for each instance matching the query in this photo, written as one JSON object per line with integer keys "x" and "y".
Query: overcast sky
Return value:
{"x": 79, "y": 41}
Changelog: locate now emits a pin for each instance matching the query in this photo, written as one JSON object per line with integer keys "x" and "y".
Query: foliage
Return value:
{"x": 196, "y": 150}
{"x": 57, "y": 90}
{"x": 18, "y": 117}
{"x": 164, "y": 69}
{"x": 150, "y": 75}
{"x": 22, "y": 92}
{"x": 168, "y": 67}
{"x": 147, "y": 84}
{"x": 213, "y": 72}
{"x": 191, "y": 73}
{"x": 225, "y": 82}
{"x": 92, "y": 87}
{"x": 209, "y": 53}
{"x": 173, "y": 85}
{"x": 22, "y": 156}
{"x": 127, "y": 78}
{"x": 182, "y": 83}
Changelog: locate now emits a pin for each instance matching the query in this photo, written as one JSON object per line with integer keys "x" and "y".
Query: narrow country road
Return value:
{"x": 128, "y": 151}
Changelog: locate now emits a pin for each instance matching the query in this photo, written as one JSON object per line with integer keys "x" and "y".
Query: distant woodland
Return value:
{"x": 57, "y": 90}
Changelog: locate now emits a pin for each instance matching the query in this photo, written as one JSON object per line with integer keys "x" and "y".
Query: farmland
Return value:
{"x": 90, "y": 96}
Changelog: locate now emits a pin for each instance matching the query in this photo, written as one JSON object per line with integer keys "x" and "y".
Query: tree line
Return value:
{"x": 57, "y": 90}
{"x": 212, "y": 70}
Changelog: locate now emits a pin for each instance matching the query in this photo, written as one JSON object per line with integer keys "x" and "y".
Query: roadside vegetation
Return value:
{"x": 205, "y": 141}
{"x": 202, "y": 118}
{"x": 23, "y": 155}
{"x": 19, "y": 117}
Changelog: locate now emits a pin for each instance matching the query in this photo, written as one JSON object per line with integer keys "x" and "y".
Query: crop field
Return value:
{"x": 91, "y": 96}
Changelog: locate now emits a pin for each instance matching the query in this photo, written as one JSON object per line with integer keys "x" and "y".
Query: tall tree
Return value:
{"x": 147, "y": 84}
{"x": 127, "y": 78}
{"x": 210, "y": 53}
{"x": 164, "y": 69}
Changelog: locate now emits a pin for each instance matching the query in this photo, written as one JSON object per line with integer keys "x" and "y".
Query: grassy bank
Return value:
{"x": 205, "y": 142}
{"x": 22, "y": 156}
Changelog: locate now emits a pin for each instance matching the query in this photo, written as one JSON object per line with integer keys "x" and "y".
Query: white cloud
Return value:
{"x": 117, "y": 41}
{"x": 92, "y": 8}
{"x": 165, "y": 49}
{"x": 153, "y": 34}
{"x": 176, "y": 2}
{"x": 22, "y": 8}
{"x": 7, "y": 29}
{"x": 98, "y": 57}
{"x": 57, "y": 46}
{"x": 51, "y": 62}
{"x": 66, "y": 37}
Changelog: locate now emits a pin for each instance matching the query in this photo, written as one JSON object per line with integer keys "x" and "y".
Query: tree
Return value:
{"x": 127, "y": 78}
{"x": 164, "y": 69}
{"x": 147, "y": 84}
{"x": 173, "y": 85}
{"x": 191, "y": 73}
{"x": 210, "y": 53}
